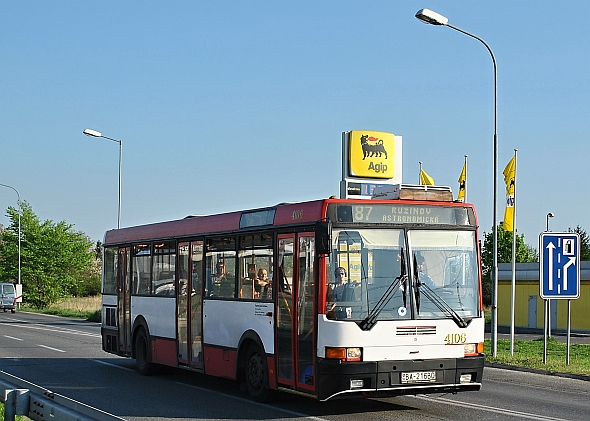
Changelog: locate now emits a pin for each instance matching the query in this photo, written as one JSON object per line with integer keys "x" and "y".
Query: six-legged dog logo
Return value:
{"x": 372, "y": 146}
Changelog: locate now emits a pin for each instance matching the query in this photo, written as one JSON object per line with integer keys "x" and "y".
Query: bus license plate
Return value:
{"x": 419, "y": 377}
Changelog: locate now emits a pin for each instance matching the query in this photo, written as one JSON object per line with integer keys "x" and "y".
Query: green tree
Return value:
{"x": 89, "y": 282}
{"x": 523, "y": 254}
{"x": 54, "y": 257}
{"x": 533, "y": 253}
{"x": 584, "y": 243}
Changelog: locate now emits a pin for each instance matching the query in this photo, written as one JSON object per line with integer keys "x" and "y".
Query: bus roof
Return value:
{"x": 283, "y": 214}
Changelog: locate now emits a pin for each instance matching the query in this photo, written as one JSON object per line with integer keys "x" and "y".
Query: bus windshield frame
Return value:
{"x": 404, "y": 270}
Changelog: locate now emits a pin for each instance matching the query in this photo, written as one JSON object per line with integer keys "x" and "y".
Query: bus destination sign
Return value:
{"x": 403, "y": 214}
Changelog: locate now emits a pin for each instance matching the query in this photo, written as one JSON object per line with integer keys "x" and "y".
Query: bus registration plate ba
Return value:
{"x": 419, "y": 377}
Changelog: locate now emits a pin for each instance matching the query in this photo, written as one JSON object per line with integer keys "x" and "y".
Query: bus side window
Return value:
{"x": 254, "y": 263}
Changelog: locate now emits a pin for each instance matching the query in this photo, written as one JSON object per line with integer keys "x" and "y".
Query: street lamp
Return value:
{"x": 20, "y": 210}
{"x": 549, "y": 215}
{"x": 94, "y": 133}
{"x": 433, "y": 18}
{"x": 548, "y": 303}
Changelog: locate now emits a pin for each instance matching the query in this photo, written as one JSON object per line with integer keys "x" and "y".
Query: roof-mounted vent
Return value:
{"x": 413, "y": 192}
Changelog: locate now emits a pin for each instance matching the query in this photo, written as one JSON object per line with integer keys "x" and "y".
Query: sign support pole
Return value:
{"x": 549, "y": 318}
{"x": 544, "y": 331}
{"x": 569, "y": 308}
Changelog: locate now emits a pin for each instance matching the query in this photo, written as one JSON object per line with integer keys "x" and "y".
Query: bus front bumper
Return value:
{"x": 337, "y": 379}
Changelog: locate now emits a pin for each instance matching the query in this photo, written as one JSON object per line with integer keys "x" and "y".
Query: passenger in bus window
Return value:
{"x": 261, "y": 284}
{"x": 223, "y": 283}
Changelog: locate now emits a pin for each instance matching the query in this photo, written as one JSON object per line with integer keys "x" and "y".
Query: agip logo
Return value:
{"x": 371, "y": 154}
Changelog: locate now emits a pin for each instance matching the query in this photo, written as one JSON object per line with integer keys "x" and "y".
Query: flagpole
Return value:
{"x": 465, "y": 197}
{"x": 513, "y": 296}
{"x": 420, "y": 173}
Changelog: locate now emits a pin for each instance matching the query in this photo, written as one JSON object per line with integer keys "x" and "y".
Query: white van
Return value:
{"x": 7, "y": 297}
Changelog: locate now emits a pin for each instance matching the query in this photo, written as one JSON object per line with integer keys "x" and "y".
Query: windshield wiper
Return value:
{"x": 436, "y": 299}
{"x": 371, "y": 319}
{"x": 441, "y": 304}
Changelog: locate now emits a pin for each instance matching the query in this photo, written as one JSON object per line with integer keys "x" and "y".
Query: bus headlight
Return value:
{"x": 356, "y": 384}
{"x": 471, "y": 350}
{"x": 465, "y": 378}
{"x": 344, "y": 354}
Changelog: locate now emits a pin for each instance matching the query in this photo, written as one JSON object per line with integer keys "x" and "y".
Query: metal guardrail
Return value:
{"x": 23, "y": 398}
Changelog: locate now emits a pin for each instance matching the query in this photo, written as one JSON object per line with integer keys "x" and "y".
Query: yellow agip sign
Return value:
{"x": 371, "y": 154}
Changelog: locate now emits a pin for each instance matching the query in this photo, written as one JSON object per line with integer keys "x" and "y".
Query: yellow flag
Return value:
{"x": 462, "y": 180}
{"x": 425, "y": 179}
{"x": 509, "y": 179}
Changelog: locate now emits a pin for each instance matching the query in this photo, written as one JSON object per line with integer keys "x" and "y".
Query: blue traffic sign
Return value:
{"x": 559, "y": 257}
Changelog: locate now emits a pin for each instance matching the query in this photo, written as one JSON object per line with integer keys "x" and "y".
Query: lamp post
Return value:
{"x": 549, "y": 215}
{"x": 20, "y": 210}
{"x": 94, "y": 133}
{"x": 433, "y": 18}
{"x": 548, "y": 303}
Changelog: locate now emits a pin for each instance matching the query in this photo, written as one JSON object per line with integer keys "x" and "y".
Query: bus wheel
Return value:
{"x": 143, "y": 355}
{"x": 257, "y": 376}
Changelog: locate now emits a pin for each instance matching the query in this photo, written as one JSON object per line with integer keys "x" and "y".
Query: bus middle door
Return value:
{"x": 295, "y": 311}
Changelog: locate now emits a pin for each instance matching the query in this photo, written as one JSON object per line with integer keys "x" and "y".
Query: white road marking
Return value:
{"x": 12, "y": 337}
{"x": 286, "y": 411}
{"x": 110, "y": 364}
{"x": 53, "y": 349}
{"x": 493, "y": 409}
{"x": 53, "y": 329}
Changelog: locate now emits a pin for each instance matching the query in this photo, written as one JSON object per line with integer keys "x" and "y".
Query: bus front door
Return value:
{"x": 295, "y": 311}
{"x": 124, "y": 301}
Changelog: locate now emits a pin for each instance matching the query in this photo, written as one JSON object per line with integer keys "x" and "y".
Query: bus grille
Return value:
{"x": 415, "y": 330}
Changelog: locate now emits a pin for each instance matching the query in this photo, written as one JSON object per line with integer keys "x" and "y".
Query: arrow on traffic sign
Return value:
{"x": 550, "y": 247}
{"x": 572, "y": 261}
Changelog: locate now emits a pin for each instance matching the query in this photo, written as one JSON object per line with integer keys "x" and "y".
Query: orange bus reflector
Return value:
{"x": 336, "y": 353}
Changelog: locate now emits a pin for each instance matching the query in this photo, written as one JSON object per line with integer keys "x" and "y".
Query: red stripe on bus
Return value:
{"x": 164, "y": 351}
{"x": 220, "y": 362}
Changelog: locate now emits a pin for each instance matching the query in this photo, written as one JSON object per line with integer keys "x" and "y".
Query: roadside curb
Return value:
{"x": 582, "y": 377}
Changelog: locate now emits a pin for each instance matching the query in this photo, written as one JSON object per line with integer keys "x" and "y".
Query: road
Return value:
{"x": 64, "y": 355}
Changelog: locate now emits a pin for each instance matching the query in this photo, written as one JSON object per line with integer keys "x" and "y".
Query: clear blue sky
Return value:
{"x": 228, "y": 105}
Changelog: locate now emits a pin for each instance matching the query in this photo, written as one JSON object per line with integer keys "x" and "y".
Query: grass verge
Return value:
{"x": 529, "y": 354}
{"x": 87, "y": 308}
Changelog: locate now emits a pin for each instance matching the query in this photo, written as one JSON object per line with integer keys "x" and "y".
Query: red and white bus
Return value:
{"x": 252, "y": 296}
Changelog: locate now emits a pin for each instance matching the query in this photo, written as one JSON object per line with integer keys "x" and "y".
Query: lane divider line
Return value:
{"x": 53, "y": 349}
{"x": 493, "y": 409}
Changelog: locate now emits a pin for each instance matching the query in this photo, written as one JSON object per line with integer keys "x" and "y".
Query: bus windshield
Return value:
{"x": 396, "y": 274}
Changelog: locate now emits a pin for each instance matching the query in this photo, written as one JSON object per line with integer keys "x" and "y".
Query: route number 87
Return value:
{"x": 361, "y": 213}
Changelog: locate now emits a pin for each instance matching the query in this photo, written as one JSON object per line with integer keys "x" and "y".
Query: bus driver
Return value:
{"x": 341, "y": 290}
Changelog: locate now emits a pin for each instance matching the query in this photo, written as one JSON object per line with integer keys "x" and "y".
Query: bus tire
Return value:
{"x": 143, "y": 353}
{"x": 256, "y": 375}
